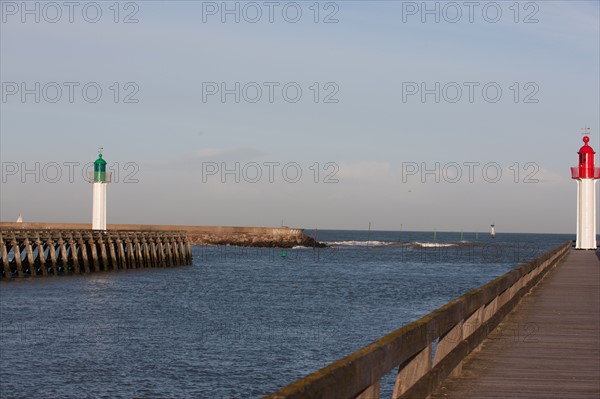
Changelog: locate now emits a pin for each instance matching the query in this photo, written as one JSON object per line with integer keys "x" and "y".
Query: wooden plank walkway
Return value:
{"x": 548, "y": 347}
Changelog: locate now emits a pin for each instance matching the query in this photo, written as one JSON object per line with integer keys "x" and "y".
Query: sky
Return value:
{"x": 329, "y": 115}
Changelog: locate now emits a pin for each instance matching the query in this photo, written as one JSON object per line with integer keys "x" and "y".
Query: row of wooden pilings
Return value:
{"x": 61, "y": 252}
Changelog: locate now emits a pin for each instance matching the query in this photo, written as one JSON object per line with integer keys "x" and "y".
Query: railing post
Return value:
{"x": 412, "y": 370}
{"x": 447, "y": 342}
{"x": 371, "y": 392}
{"x": 472, "y": 323}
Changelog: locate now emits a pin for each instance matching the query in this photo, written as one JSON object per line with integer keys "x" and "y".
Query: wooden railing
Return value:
{"x": 454, "y": 330}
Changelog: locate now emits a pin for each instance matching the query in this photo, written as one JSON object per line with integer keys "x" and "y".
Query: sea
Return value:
{"x": 239, "y": 322}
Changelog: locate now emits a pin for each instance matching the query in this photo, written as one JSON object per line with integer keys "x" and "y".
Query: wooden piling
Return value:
{"x": 5, "y": 262}
{"x": 175, "y": 251}
{"x": 52, "y": 254}
{"x": 63, "y": 254}
{"x": 182, "y": 254}
{"x": 17, "y": 258}
{"x": 121, "y": 252}
{"x": 103, "y": 255}
{"x": 145, "y": 252}
{"x": 30, "y": 262}
{"x": 168, "y": 251}
{"x": 155, "y": 260}
{"x": 113, "y": 254}
{"x": 41, "y": 255}
{"x": 83, "y": 250}
{"x": 138, "y": 253}
{"x": 130, "y": 256}
{"x": 188, "y": 260}
{"x": 94, "y": 254}
{"x": 161, "y": 252}
{"x": 74, "y": 257}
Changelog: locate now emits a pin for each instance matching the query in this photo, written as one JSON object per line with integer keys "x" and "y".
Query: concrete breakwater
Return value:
{"x": 283, "y": 237}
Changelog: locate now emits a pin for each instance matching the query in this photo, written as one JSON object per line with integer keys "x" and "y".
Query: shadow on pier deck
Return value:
{"x": 486, "y": 344}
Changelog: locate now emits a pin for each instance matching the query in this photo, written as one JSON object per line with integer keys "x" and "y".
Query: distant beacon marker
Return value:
{"x": 99, "y": 179}
{"x": 586, "y": 175}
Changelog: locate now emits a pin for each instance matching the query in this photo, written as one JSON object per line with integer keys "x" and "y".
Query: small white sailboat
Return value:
{"x": 493, "y": 232}
{"x": 20, "y": 219}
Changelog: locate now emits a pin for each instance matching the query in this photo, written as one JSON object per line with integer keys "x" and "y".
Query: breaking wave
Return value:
{"x": 358, "y": 243}
{"x": 414, "y": 244}
{"x": 434, "y": 244}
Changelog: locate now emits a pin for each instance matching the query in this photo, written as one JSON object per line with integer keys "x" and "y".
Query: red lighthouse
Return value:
{"x": 586, "y": 175}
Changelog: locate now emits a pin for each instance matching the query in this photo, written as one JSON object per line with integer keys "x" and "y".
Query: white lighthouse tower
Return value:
{"x": 99, "y": 180}
{"x": 586, "y": 175}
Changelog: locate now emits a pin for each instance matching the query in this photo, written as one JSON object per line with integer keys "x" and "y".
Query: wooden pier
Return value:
{"x": 63, "y": 252}
{"x": 549, "y": 347}
{"x": 423, "y": 354}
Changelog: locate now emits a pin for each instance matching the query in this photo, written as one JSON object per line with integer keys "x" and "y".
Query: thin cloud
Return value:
{"x": 192, "y": 159}
{"x": 365, "y": 171}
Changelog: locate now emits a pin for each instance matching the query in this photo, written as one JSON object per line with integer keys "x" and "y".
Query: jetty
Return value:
{"x": 50, "y": 249}
{"x": 281, "y": 237}
{"x": 53, "y": 252}
{"x": 547, "y": 310}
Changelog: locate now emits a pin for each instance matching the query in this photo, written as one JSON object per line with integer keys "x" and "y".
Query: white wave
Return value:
{"x": 300, "y": 247}
{"x": 357, "y": 243}
{"x": 433, "y": 244}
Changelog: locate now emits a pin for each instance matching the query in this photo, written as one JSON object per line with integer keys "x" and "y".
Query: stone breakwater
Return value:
{"x": 283, "y": 237}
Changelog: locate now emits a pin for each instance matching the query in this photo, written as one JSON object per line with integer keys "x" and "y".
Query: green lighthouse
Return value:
{"x": 99, "y": 180}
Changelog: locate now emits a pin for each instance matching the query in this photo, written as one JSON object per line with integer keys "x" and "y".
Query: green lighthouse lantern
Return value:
{"x": 100, "y": 169}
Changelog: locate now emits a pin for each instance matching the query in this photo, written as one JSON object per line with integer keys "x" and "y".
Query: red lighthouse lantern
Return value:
{"x": 586, "y": 169}
{"x": 586, "y": 175}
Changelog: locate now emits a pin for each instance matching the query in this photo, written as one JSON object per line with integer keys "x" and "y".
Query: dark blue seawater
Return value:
{"x": 240, "y": 322}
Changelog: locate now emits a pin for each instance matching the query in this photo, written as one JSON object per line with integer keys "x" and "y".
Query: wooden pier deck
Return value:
{"x": 547, "y": 347}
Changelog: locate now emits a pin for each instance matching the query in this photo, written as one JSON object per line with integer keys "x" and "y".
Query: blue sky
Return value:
{"x": 368, "y": 133}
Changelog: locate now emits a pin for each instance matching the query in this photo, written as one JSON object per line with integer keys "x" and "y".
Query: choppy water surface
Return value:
{"x": 240, "y": 322}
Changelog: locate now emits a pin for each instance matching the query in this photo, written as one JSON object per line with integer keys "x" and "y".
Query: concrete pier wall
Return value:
{"x": 284, "y": 237}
